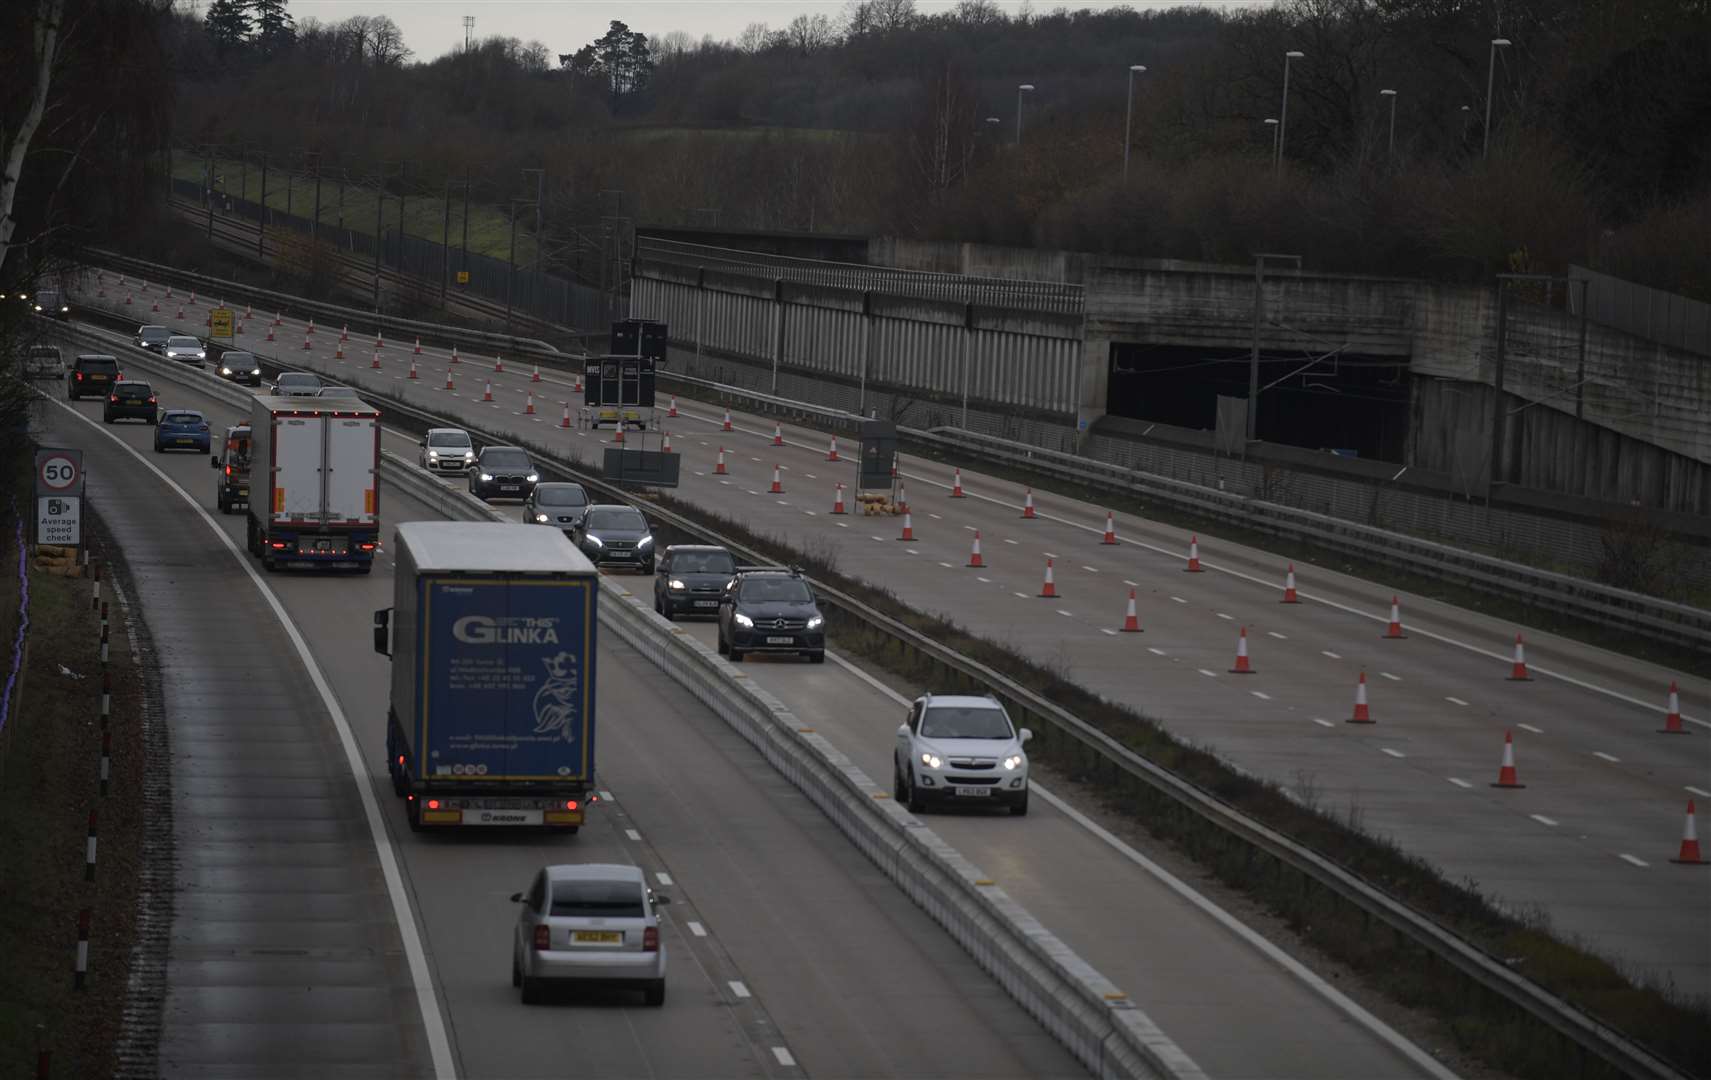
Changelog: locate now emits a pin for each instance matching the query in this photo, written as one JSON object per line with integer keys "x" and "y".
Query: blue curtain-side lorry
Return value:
{"x": 492, "y": 639}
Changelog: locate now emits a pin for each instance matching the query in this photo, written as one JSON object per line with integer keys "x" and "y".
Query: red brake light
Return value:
{"x": 650, "y": 939}
{"x": 279, "y": 545}
{"x": 79, "y": 375}
{"x": 366, "y": 546}
{"x": 543, "y": 939}
{"x": 228, "y": 473}
{"x": 433, "y": 804}
{"x": 114, "y": 398}
{"x": 570, "y": 805}
{"x": 151, "y": 399}
{"x": 400, "y": 759}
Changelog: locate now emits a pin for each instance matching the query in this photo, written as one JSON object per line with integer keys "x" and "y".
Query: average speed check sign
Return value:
{"x": 59, "y": 497}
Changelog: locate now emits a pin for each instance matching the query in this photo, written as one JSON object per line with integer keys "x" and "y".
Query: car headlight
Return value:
{"x": 433, "y": 455}
{"x": 1014, "y": 761}
{"x": 469, "y": 455}
{"x": 646, "y": 541}
{"x": 816, "y": 621}
{"x": 931, "y": 761}
{"x": 542, "y": 519}
{"x": 65, "y": 309}
{"x": 256, "y": 372}
{"x": 533, "y": 477}
{"x": 224, "y": 370}
{"x": 595, "y": 540}
{"x": 743, "y": 620}
{"x": 676, "y": 585}
{"x": 485, "y": 477}
{"x": 38, "y": 307}
{"x": 201, "y": 354}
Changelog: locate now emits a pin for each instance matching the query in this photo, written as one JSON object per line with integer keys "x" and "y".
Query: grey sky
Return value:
{"x": 434, "y": 27}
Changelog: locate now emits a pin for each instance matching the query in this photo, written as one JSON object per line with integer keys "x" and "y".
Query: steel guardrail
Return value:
{"x": 1592, "y": 1035}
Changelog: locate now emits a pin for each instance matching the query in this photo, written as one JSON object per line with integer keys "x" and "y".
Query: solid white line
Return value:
{"x": 1393, "y": 753}
{"x": 1328, "y": 652}
{"x": 1456, "y": 701}
{"x": 738, "y": 989}
{"x": 783, "y": 1057}
{"x": 1322, "y": 722}
{"x": 1607, "y": 757}
{"x": 1543, "y": 820}
{"x": 1289, "y": 964}
{"x": 1531, "y": 728}
{"x": 1625, "y": 857}
{"x": 439, "y": 1046}
{"x": 697, "y": 929}
{"x": 1261, "y": 694}
{"x": 1458, "y": 781}
{"x": 662, "y": 877}
{"x": 632, "y": 834}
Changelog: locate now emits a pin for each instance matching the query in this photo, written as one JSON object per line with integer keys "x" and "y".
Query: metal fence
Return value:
{"x": 1653, "y": 314}
{"x": 1050, "y": 296}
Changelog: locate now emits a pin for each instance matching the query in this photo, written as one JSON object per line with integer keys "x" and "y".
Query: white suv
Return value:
{"x": 955, "y": 748}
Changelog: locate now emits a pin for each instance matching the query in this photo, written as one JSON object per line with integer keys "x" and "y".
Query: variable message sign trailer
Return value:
{"x": 492, "y": 638}
{"x": 314, "y": 475}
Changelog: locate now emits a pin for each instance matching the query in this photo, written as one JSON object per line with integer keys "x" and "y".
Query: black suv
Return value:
{"x": 771, "y": 611}
{"x": 131, "y": 401}
{"x": 558, "y": 504}
{"x": 691, "y": 579}
{"x": 91, "y": 375}
{"x": 153, "y": 338}
{"x": 503, "y": 472}
{"x": 615, "y": 535}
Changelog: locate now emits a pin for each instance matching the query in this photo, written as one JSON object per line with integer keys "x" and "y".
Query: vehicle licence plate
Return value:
{"x": 245, "y": 492}
{"x": 596, "y": 937}
{"x": 185, "y": 442}
{"x": 324, "y": 546}
{"x": 510, "y": 487}
{"x": 706, "y": 603}
{"x": 781, "y": 641}
{"x": 973, "y": 792}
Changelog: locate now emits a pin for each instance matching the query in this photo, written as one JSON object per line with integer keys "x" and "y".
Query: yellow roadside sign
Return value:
{"x": 463, "y": 277}
{"x": 220, "y": 322}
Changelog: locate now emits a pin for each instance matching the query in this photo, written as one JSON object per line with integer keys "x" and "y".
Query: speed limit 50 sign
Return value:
{"x": 59, "y": 472}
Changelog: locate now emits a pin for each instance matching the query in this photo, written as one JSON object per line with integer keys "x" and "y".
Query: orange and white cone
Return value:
{"x": 1110, "y": 536}
{"x": 418, "y": 349}
{"x": 270, "y": 333}
{"x": 956, "y": 486}
{"x": 777, "y": 487}
{"x": 1506, "y": 776}
{"x": 1394, "y": 630}
{"x": 536, "y": 375}
{"x": 127, "y": 299}
{"x": 908, "y": 528}
{"x": 180, "y": 311}
{"x": 306, "y": 343}
{"x": 893, "y": 466}
{"x": 193, "y": 300}
{"x": 719, "y": 467}
{"x": 375, "y": 363}
{"x": 832, "y": 454}
{"x": 1132, "y": 621}
{"x": 1242, "y": 666}
{"x": 499, "y": 363}
{"x": 449, "y": 384}
{"x": 1362, "y": 714}
{"x": 311, "y": 321}
{"x": 838, "y": 501}
{"x": 726, "y": 426}
{"x": 1193, "y": 566}
{"x": 155, "y": 306}
{"x": 565, "y": 421}
{"x": 1050, "y": 587}
{"x": 665, "y": 444}
{"x": 487, "y": 391}
{"x": 1028, "y": 504}
{"x": 345, "y": 334}
{"x": 239, "y": 328}
{"x": 903, "y": 498}
{"x": 277, "y": 321}
{"x": 672, "y": 412}
{"x": 529, "y": 404}
{"x": 413, "y": 374}
{"x": 1518, "y": 670}
{"x": 618, "y": 438}
{"x": 1690, "y": 854}
{"x": 777, "y": 435}
{"x": 379, "y": 340}
{"x": 974, "y": 558}
{"x": 455, "y": 358}
{"x": 1672, "y": 715}
{"x": 1289, "y": 596}
{"x": 248, "y": 314}
{"x": 338, "y": 352}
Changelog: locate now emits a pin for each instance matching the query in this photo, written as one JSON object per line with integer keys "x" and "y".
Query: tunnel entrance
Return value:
{"x": 1346, "y": 402}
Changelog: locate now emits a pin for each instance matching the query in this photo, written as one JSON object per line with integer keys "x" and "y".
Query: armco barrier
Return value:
{"x": 1077, "y": 1005}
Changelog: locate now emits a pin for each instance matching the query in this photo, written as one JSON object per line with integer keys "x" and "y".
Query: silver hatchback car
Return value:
{"x": 592, "y": 923}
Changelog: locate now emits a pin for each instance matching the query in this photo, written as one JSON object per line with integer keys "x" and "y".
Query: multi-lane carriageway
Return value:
{"x": 1586, "y": 842}
{"x": 787, "y": 946}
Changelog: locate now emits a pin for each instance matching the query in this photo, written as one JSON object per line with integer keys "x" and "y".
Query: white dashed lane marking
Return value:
{"x": 1458, "y": 781}
{"x": 1601, "y": 754}
{"x": 1627, "y": 858}
{"x": 1543, "y": 820}
{"x": 1531, "y": 728}
{"x": 1328, "y": 652}
{"x": 1456, "y": 701}
{"x": 1393, "y": 753}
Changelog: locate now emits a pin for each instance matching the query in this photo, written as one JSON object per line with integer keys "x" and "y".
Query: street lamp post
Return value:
{"x": 1390, "y": 156}
{"x": 1129, "y": 116}
{"x": 1490, "y": 75}
{"x": 1283, "y": 115}
{"x": 1020, "y": 90}
{"x": 1271, "y": 122}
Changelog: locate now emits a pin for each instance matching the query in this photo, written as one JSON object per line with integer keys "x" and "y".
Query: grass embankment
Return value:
{"x": 1480, "y": 1024}
{"x": 49, "y": 783}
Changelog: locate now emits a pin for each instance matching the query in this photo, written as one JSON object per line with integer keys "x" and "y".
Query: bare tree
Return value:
{"x": 977, "y": 13}
{"x": 753, "y": 38}
{"x": 890, "y": 16}
{"x": 45, "y": 26}
{"x": 809, "y": 34}
{"x": 386, "y": 42}
{"x": 941, "y": 140}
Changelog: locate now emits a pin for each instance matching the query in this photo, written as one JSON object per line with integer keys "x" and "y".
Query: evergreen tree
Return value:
{"x": 227, "y": 23}
{"x": 275, "y": 31}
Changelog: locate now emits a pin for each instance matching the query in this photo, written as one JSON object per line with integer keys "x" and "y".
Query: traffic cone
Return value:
{"x": 193, "y": 300}
{"x": 1394, "y": 630}
{"x": 535, "y": 376}
{"x": 1110, "y": 536}
{"x": 1193, "y": 566}
{"x": 455, "y": 359}
{"x": 449, "y": 384}
{"x": 239, "y": 328}
{"x": 413, "y": 368}
{"x": 1690, "y": 855}
{"x": 145, "y": 287}
{"x": 375, "y": 363}
{"x": 169, "y": 291}
{"x": 974, "y": 558}
{"x": 893, "y": 466}
{"x": 1242, "y": 667}
{"x": 1028, "y": 504}
{"x": 665, "y": 445}
{"x": 565, "y": 422}
{"x": 345, "y": 333}
{"x": 306, "y": 343}
{"x": 956, "y": 486}
{"x": 180, "y": 311}
{"x": 777, "y": 487}
{"x": 311, "y": 321}
{"x": 418, "y": 350}
{"x": 270, "y": 333}
{"x": 379, "y": 340}
{"x": 1518, "y": 671}
{"x": 155, "y": 306}
{"x": 487, "y": 392}
{"x": 1050, "y": 587}
{"x": 838, "y": 501}
{"x": 903, "y": 498}
{"x": 672, "y": 412}
{"x": 498, "y": 363}
{"x": 1506, "y": 771}
{"x": 1672, "y": 717}
{"x": 727, "y": 424}
{"x": 832, "y": 454}
{"x": 339, "y": 352}
{"x": 719, "y": 467}
{"x": 209, "y": 321}
{"x": 618, "y": 439}
{"x": 127, "y": 299}
{"x": 248, "y": 314}
{"x": 908, "y": 528}
{"x": 277, "y": 321}
{"x": 1289, "y": 596}
{"x": 1132, "y": 621}
{"x": 1363, "y": 715}
{"x": 777, "y": 435}
{"x": 529, "y": 404}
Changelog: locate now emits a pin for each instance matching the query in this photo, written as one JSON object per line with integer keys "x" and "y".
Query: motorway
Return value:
{"x": 1197, "y": 972}
{"x": 791, "y": 955}
{"x": 1585, "y": 845}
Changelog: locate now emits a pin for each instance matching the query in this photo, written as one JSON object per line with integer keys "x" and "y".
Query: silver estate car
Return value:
{"x": 591, "y": 923}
